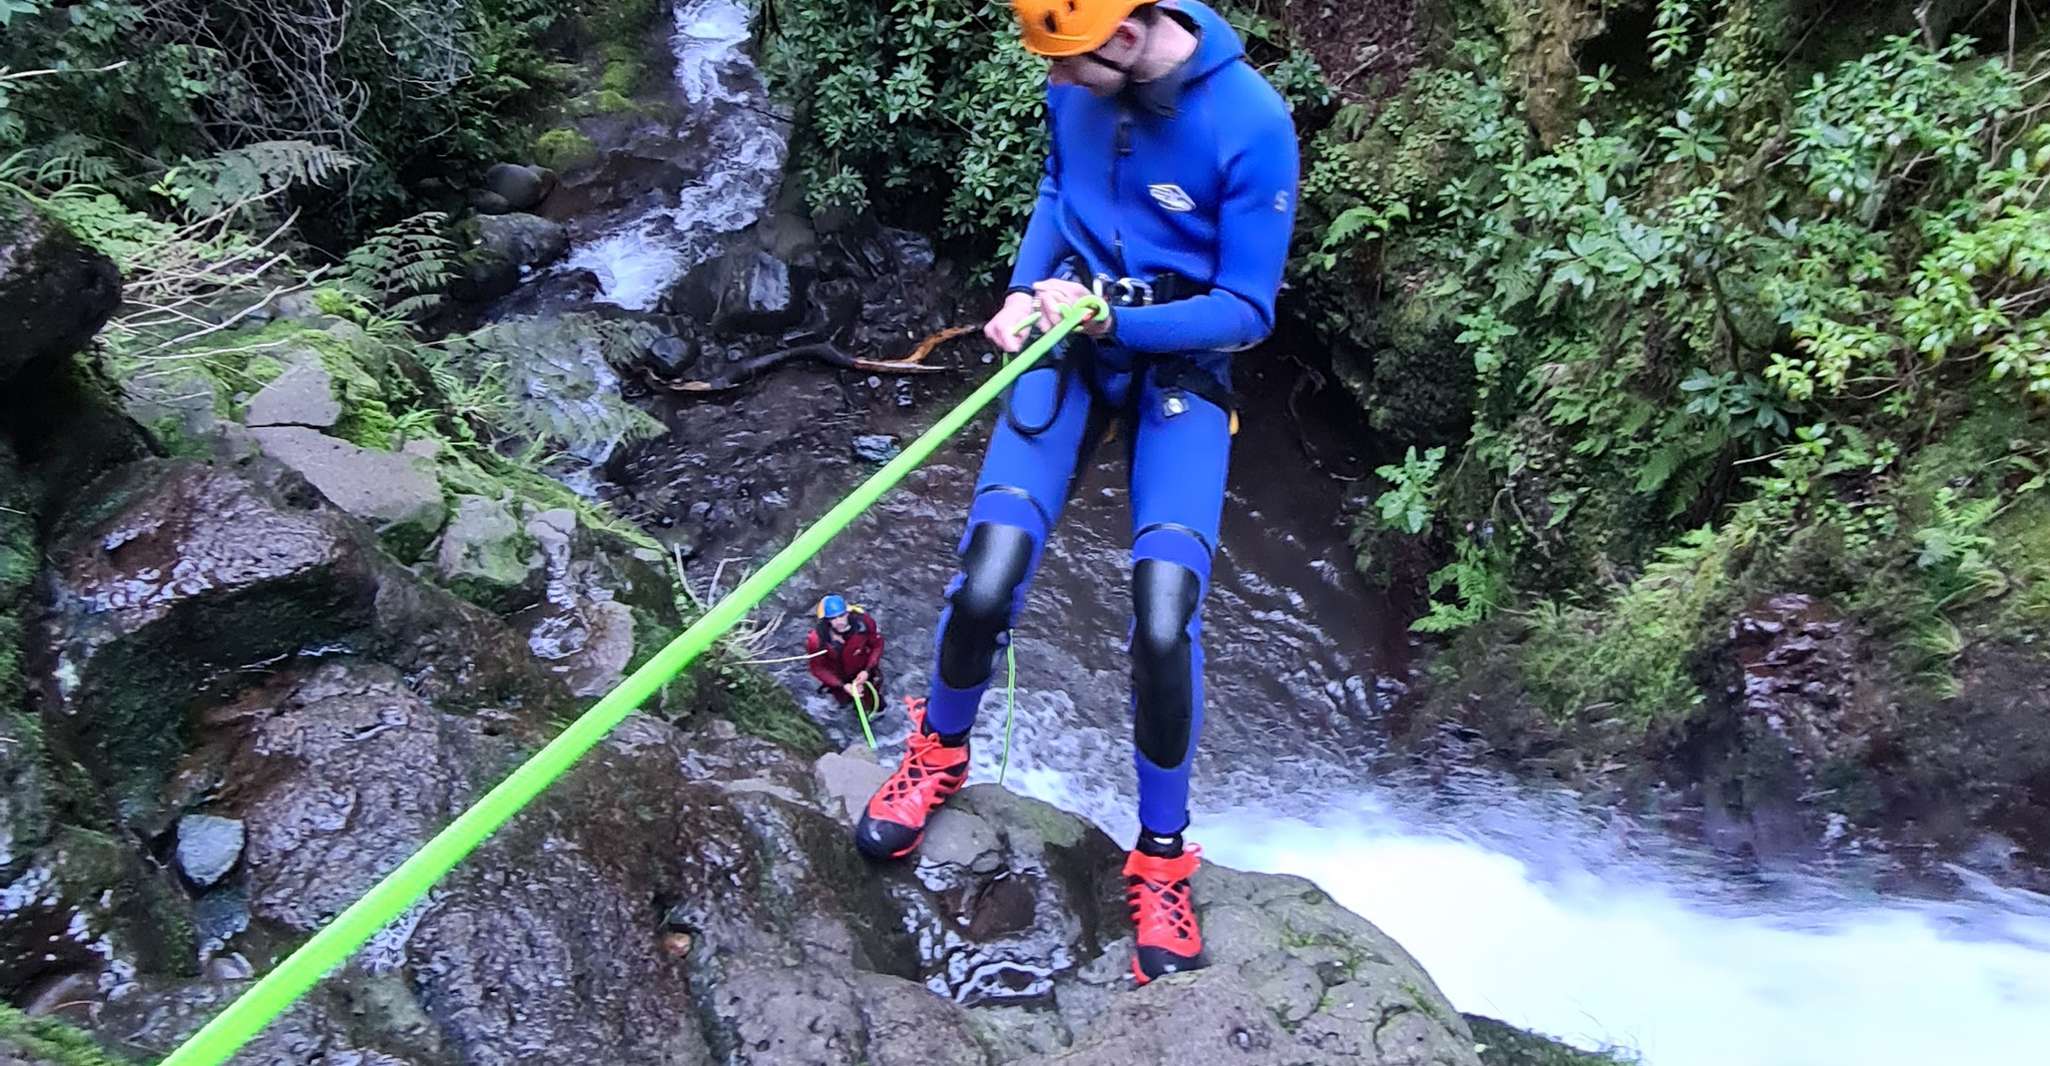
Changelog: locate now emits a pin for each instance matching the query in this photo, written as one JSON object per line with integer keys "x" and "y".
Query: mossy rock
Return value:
{"x": 1503, "y": 1044}
{"x": 47, "y": 1042}
{"x": 624, "y": 71}
{"x": 564, "y": 149}
{"x": 602, "y": 102}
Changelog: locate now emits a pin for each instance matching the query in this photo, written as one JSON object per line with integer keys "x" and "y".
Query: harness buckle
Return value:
{"x": 1124, "y": 292}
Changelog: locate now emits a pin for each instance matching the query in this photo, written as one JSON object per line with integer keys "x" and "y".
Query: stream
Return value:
{"x": 1525, "y": 902}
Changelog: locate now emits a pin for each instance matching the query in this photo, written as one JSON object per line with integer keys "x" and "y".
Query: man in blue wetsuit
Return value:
{"x": 1170, "y": 191}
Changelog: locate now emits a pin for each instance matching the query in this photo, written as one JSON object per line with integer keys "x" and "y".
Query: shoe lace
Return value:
{"x": 1157, "y": 890}
{"x": 929, "y": 771}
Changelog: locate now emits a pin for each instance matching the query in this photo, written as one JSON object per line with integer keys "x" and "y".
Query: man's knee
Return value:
{"x": 1165, "y": 596}
{"x": 993, "y": 570}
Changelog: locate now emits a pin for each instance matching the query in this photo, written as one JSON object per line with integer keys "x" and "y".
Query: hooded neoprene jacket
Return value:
{"x": 1206, "y": 191}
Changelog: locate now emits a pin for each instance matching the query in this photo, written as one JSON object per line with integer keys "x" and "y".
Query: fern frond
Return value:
{"x": 221, "y": 182}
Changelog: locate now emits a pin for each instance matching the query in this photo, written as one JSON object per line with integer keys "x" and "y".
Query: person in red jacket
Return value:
{"x": 846, "y": 649}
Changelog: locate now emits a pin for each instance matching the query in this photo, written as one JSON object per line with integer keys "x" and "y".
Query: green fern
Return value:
{"x": 207, "y": 187}
{"x": 1478, "y": 583}
{"x": 403, "y": 267}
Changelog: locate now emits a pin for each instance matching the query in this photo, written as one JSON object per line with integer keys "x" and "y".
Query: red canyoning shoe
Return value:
{"x": 1164, "y": 913}
{"x": 932, "y": 770}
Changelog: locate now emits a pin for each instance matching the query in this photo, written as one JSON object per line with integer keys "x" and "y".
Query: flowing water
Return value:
{"x": 1524, "y": 902}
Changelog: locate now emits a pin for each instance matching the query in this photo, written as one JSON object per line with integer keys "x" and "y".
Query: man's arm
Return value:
{"x": 875, "y": 654}
{"x": 822, "y": 665}
{"x": 1045, "y": 246}
{"x": 1253, "y": 228}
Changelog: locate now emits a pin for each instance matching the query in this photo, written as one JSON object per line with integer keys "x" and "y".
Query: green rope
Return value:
{"x": 1010, "y": 704}
{"x": 863, "y": 713}
{"x": 403, "y": 887}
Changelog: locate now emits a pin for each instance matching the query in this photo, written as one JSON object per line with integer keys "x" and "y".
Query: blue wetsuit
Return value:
{"x": 1191, "y": 178}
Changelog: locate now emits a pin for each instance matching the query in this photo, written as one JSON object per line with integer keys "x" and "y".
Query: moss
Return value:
{"x": 2023, "y": 539}
{"x": 48, "y": 1040}
{"x": 1503, "y": 1044}
{"x": 624, "y": 71}
{"x": 1632, "y": 660}
{"x": 18, "y": 562}
{"x": 602, "y": 102}
{"x": 563, "y": 149}
{"x": 170, "y": 925}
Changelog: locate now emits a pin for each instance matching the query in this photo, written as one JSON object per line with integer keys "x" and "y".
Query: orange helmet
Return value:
{"x": 1058, "y": 28}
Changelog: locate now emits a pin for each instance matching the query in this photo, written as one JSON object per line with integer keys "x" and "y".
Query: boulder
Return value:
{"x": 182, "y": 580}
{"x": 518, "y": 186}
{"x": 745, "y": 291}
{"x": 876, "y": 447}
{"x": 486, "y": 556}
{"x": 304, "y": 395}
{"x": 208, "y": 847}
{"x": 603, "y": 604}
{"x": 55, "y": 293}
{"x": 673, "y": 355}
{"x": 504, "y": 250}
{"x": 396, "y": 493}
{"x": 178, "y": 405}
{"x": 177, "y": 571}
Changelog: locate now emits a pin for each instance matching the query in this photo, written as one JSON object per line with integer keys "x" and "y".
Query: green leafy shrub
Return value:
{"x": 118, "y": 94}
{"x": 1719, "y": 284}
{"x": 905, "y": 104}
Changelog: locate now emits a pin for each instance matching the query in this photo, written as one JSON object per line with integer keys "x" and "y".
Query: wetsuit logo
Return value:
{"x": 1172, "y": 197}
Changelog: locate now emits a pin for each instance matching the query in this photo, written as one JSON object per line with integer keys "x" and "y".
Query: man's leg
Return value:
{"x": 1180, "y": 454}
{"x": 1018, "y": 498}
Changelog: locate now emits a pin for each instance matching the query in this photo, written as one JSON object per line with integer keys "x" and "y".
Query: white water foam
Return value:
{"x": 637, "y": 263}
{"x": 1616, "y": 956}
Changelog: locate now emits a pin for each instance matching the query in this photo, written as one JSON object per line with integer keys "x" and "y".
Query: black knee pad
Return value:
{"x": 992, "y": 568}
{"x": 1164, "y": 599}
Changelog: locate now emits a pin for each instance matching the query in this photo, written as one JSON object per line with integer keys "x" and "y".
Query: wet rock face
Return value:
{"x": 337, "y": 781}
{"x": 185, "y": 571}
{"x": 55, "y": 293}
{"x": 1797, "y": 669}
{"x": 695, "y": 899}
{"x": 1804, "y": 722}
{"x": 749, "y": 290}
{"x": 602, "y": 603}
{"x": 184, "y": 582}
{"x": 505, "y": 248}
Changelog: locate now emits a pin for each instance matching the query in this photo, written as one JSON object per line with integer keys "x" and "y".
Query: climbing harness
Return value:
{"x": 400, "y": 889}
{"x": 1177, "y": 375}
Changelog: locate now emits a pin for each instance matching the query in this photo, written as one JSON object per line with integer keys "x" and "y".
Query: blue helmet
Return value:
{"x": 832, "y": 607}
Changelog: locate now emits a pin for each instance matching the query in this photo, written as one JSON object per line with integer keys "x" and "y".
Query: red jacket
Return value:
{"x": 861, "y": 649}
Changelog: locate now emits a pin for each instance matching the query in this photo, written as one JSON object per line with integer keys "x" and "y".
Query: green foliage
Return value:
{"x": 1479, "y": 585}
{"x": 46, "y": 1039}
{"x": 225, "y": 181}
{"x": 563, "y": 149}
{"x": 402, "y": 268}
{"x": 908, "y": 105}
{"x": 1407, "y": 504}
{"x": 123, "y": 94}
{"x": 1731, "y": 290}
